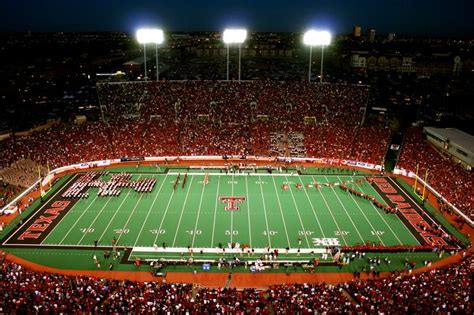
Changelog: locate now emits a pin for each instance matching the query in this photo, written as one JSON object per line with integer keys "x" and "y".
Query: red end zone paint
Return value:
{"x": 407, "y": 210}
{"x": 44, "y": 221}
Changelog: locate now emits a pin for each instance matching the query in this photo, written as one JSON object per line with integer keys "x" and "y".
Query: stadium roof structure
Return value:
{"x": 455, "y": 136}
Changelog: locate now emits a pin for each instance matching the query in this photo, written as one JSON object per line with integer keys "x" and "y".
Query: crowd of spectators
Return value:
{"x": 449, "y": 179}
{"x": 22, "y": 173}
{"x": 209, "y": 118}
{"x": 446, "y": 290}
{"x": 232, "y": 118}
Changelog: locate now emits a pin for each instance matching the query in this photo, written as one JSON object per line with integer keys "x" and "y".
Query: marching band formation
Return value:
{"x": 111, "y": 187}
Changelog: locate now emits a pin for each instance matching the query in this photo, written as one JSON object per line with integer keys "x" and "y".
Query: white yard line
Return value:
{"x": 182, "y": 211}
{"x": 347, "y": 213}
{"x": 282, "y": 216}
{"x": 79, "y": 219}
{"x": 248, "y": 210}
{"x": 386, "y": 223}
{"x": 164, "y": 215}
{"x": 129, "y": 217}
{"x": 215, "y": 212}
{"x": 314, "y": 211}
{"x": 265, "y": 211}
{"x": 149, "y": 210}
{"x": 198, "y": 214}
{"x": 93, "y": 221}
{"x": 298, "y": 211}
{"x": 332, "y": 215}
{"x": 232, "y": 214}
{"x": 115, "y": 214}
{"x": 367, "y": 219}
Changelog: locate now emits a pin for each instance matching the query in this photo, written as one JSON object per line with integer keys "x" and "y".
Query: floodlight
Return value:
{"x": 150, "y": 35}
{"x": 316, "y": 38}
{"x": 147, "y": 36}
{"x": 234, "y": 36}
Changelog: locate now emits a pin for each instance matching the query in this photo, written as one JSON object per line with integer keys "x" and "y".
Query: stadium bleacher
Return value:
{"x": 159, "y": 119}
{"x": 440, "y": 291}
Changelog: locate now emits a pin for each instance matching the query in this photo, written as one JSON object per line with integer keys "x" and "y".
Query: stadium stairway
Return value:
{"x": 393, "y": 151}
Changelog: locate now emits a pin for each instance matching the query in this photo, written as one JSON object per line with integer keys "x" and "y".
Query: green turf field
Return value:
{"x": 195, "y": 216}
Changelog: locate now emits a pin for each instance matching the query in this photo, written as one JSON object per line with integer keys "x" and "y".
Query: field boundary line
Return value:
{"x": 41, "y": 207}
{"x": 406, "y": 227}
{"x": 365, "y": 216}
{"x": 426, "y": 213}
{"x": 386, "y": 223}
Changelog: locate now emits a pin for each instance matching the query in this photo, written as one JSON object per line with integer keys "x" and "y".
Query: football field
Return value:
{"x": 214, "y": 209}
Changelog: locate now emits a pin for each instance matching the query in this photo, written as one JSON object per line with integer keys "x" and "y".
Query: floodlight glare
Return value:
{"x": 234, "y": 36}
{"x": 150, "y": 35}
{"x": 316, "y": 38}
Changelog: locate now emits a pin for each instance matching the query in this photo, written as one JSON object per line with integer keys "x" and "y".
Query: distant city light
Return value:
{"x": 317, "y": 38}
{"x": 150, "y": 35}
{"x": 234, "y": 36}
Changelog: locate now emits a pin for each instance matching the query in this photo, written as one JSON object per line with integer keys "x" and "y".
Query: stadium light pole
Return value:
{"x": 234, "y": 36}
{"x": 150, "y": 35}
{"x": 316, "y": 38}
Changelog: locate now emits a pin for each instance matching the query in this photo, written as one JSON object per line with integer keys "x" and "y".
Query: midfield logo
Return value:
{"x": 232, "y": 202}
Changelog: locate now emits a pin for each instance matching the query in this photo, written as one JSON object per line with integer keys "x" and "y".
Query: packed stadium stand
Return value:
{"x": 164, "y": 119}
{"x": 453, "y": 181}
{"x": 263, "y": 118}
{"x": 153, "y": 119}
{"x": 438, "y": 291}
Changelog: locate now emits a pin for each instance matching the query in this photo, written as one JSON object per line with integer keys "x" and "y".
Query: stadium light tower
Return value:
{"x": 234, "y": 36}
{"x": 150, "y": 35}
{"x": 316, "y": 38}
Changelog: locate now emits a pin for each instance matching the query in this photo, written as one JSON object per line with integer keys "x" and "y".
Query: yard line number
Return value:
{"x": 158, "y": 231}
{"x": 271, "y": 233}
{"x": 121, "y": 231}
{"x": 378, "y": 232}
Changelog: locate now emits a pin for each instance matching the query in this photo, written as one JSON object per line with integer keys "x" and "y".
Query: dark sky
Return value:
{"x": 409, "y": 17}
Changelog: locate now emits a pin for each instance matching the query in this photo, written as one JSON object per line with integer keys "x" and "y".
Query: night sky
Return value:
{"x": 404, "y": 17}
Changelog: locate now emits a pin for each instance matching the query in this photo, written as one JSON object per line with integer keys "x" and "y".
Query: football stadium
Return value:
{"x": 176, "y": 193}
{"x": 224, "y": 184}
